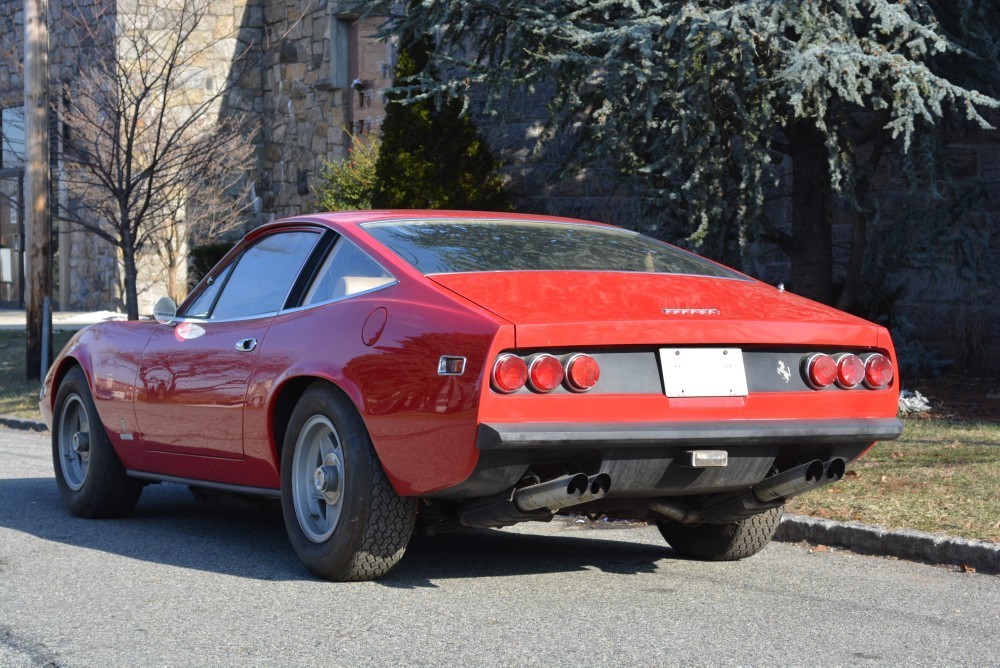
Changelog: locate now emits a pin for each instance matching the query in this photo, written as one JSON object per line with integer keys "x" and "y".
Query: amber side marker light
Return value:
{"x": 510, "y": 373}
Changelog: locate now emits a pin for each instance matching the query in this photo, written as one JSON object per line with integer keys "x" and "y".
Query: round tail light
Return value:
{"x": 850, "y": 371}
{"x": 878, "y": 371}
{"x": 510, "y": 373}
{"x": 582, "y": 372}
{"x": 545, "y": 373}
{"x": 821, "y": 371}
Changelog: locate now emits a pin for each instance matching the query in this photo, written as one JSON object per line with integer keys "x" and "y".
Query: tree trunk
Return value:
{"x": 811, "y": 250}
{"x": 856, "y": 261}
{"x": 859, "y": 227}
{"x": 131, "y": 278}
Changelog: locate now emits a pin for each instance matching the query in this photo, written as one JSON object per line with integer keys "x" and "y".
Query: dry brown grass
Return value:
{"x": 941, "y": 476}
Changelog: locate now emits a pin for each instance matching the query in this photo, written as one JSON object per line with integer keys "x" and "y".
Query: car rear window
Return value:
{"x": 454, "y": 246}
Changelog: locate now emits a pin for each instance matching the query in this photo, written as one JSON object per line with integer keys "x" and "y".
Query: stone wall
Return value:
{"x": 94, "y": 273}
{"x": 534, "y": 180}
{"x": 308, "y": 108}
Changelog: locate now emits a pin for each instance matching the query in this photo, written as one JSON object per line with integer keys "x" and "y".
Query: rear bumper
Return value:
{"x": 647, "y": 460}
{"x": 700, "y": 434}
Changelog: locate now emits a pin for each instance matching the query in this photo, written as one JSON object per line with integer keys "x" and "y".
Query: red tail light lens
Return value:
{"x": 878, "y": 371}
{"x": 510, "y": 373}
{"x": 850, "y": 371}
{"x": 545, "y": 373}
{"x": 821, "y": 371}
{"x": 582, "y": 372}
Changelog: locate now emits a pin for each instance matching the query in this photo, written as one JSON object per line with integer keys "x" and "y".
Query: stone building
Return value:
{"x": 315, "y": 77}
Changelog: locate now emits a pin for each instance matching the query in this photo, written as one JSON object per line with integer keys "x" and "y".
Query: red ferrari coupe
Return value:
{"x": 385, "y": 370}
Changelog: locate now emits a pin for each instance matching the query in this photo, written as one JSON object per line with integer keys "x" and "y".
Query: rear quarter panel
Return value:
{"x": 423, "y": 425}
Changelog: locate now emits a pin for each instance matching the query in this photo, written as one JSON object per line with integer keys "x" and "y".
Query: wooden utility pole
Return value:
{"x": 38, "y": 223}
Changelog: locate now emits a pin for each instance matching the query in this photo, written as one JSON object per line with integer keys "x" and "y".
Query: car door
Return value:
{"x": 194, "y": 373}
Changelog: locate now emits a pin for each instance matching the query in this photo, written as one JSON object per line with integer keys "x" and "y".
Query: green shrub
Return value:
{"x": 347, "y": 185}
{"x": 432, "y": 156}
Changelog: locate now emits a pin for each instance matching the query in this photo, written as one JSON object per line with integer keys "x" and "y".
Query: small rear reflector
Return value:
{"x": 510, "y": 373}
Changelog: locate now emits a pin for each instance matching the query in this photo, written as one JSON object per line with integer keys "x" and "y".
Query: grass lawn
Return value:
{"x": 18, "y": 397}
{"x": 942, "y": 475}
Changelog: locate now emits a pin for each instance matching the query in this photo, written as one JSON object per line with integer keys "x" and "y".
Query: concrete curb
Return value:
{"x": 22, "y": 423}
{"x": 854, "y": 536}
{"x": 903, "y": 543}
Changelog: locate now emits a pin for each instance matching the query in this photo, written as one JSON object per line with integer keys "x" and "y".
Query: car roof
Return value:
{"x": 356, "y": 218}
{"x": 349, "y": 223}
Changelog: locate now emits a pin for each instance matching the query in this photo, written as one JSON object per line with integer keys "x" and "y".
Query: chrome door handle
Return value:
{"x": 246, "y": 345}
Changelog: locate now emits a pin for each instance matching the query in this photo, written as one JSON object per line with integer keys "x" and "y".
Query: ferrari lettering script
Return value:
{"x": 691, "y": 311}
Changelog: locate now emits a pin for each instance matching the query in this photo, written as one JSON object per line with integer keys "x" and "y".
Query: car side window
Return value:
{"x": 263, "y": 276}
{"x": 347, "y": 270}
{"x": 202, "y": 305}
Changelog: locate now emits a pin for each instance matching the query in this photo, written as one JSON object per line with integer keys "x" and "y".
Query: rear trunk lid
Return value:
{"x": 580, "y": 308}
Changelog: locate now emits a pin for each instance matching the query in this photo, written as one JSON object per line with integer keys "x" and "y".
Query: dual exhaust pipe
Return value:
{"x": 535, "y": 502}
{"x": 768, "y": 493}
{"x": 563, "y": 492}
{"x": 799, "y": 480}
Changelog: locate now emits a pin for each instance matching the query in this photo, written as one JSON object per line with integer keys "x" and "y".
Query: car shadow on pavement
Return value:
{"x": 169, "y": 527}
{"x": 493, "y": 553}
{"x": 166, "y": 527}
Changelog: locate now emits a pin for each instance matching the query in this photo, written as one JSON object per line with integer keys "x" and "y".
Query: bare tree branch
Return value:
{"x": 152, "y": 157}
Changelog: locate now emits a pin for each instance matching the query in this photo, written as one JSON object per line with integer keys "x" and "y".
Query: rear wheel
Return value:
{"x": 343, "y": 518}
{"x": 90, "y": 477}
{"x": 723, "y": 542}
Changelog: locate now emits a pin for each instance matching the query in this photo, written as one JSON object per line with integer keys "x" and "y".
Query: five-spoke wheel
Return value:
{"x": 74, "y": 441}
{"x": 318, "y": 478}
{"x": 343, "y": 518}
{"x": 91, "y": 478}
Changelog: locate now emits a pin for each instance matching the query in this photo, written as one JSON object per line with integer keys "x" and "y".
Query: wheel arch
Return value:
{"x": 287, "y": 396}
{"x": 59, "y": 371}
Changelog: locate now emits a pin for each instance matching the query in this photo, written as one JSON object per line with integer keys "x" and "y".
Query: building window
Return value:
{"x": 343, "y": 46}
{"x": 343, "y": 51}
{"x": 11, "y": 137}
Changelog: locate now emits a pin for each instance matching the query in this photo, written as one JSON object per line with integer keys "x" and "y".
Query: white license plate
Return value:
{"x": 703, "y": 372}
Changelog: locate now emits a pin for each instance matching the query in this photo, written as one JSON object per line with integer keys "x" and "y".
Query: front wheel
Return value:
{"x": 723, "y": 542}
{"x": 91, "y": 479}
{"x": 343, "y": 518}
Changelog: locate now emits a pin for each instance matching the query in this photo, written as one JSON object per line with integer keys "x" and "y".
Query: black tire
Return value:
{"x": 356, "y": 527}
{"x": 91, "y": 478}
{"x": 723, "y": 542}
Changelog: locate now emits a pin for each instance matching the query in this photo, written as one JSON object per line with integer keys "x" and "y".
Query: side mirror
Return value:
{"x": 165, "y": 311}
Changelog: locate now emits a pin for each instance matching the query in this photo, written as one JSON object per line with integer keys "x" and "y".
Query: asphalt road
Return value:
{"x": 179, "y": 583}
